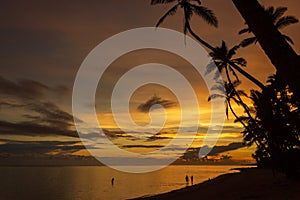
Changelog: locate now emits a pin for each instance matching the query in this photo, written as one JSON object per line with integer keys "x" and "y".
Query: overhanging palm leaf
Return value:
{"x": 287, "y": 38}
{"x": 189, "y": 9}
{"x": 248, "y": 41}
{"x": 170, "y": 12}
{"x": 286, "y": 21}
{"x": 154, "y": 2}
{"x": 280, "y": 22}
{"x": 278, "y": 13}
{"x": 207, "y": 15}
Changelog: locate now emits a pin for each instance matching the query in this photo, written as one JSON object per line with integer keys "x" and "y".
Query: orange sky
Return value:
{"x": 44, "y": 43}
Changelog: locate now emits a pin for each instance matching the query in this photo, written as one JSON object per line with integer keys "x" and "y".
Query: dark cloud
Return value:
{"x": 62, "y": 90}
{"x": 41, "y": 147}
{"x": 193, "y": 153}
{"x": 41, "y": 119}
{"x": 160, "y": 136}
{"x": 33, "y": 128}
{"x": 29, "y": 89}
{"x": 9, "y": 104}
{"x": 220, "y": 149}
{"x": 38, "y": 116}
{"x": 114, "y": 134}
{"x": 145, "y": 107}
{"x": 22, "y": 89}
{"x": 51, "y": 115}
{"x": 143, "y": 146}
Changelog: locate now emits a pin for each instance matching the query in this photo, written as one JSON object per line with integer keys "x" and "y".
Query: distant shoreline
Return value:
{"x": 251, "y": 183}
{"x": 84, "y": 161}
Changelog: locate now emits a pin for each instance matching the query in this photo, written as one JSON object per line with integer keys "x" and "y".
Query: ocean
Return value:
{"x": 94, "y": 182}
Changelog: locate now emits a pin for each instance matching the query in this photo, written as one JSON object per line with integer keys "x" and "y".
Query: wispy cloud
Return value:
{"x": 145, "y": 107}
{"x": 34, "y": 115}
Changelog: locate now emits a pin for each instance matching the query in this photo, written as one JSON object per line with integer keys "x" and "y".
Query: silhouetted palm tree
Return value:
{"x": 228, "y": 92}
{"x": 222, "y": 57}
{"x": 278, "y": 20}
{"x": 277, "y": 126}
{"x": 284, "y": 58}
{"x": 223, "y": 60}
{"x": 191, "y": 7}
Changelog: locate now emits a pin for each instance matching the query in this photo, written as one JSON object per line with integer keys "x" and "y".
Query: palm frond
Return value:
{"x": 236, "y": 83}
{"x": 234, "y": 74}
{"x": 187, "y": 17}
{"x": 206, "y": 14}
{"x": 154, "y": 2}
{"x": 286, "y": 21}
{"x": 238, "y": 102}
{"x": 245, "y": 30}
{"x": 185, "y": 28}
{"x": 248, "y": 41}
{"x": 226, "y": 109}
{"x": 279, "y": 12}
{"x": 232, "y": 51}
{"x": 287, "y": 38}
{"x": 170, "y": 12}
{"x": 242, "y": 93}
{"x": 224, "y": 48}
{"x": 240, "y": 61}
{"x": 269, "y": 10}
{"x": 198, "y": 1}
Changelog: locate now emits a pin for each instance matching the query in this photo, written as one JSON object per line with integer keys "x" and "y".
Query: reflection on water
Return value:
{"x": 87, "y": 183}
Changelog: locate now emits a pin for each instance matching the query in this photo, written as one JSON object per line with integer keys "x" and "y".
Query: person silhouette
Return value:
{"x": 186, "y": 179}
{"x": 112, "y": 181}
{"x": 192, "y": 180}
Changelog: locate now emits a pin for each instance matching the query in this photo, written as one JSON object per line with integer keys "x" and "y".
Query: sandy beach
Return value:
{"x": 247, "y": 184}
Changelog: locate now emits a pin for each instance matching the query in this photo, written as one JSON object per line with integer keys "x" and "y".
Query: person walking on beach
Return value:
{"x": 186, "y": 179}
{"x": 192, "y": 180}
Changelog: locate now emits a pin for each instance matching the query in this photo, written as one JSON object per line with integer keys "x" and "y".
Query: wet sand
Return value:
{"x": 247, "y": 184}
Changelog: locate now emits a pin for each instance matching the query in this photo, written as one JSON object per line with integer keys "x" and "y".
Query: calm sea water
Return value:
{"x": 88, "y": 183}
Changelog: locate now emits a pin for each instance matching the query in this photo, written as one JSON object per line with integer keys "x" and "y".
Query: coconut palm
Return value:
{"x": 221, "y": 58}
{"x": 277, "y": 127}
{"x": 228, "y": 92}
{"x": 191, "y": 7}
{"x": 284, "y": 58}
{"x": 279, "y": 21}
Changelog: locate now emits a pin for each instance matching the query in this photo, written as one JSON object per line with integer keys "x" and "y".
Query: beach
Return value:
{"x": 248, "y": 184}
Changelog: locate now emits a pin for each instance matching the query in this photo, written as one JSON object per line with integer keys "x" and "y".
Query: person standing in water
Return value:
{"x": 187, "y": 179}
{"x": 192, "y": 180}
{"x": 112, "y": 181}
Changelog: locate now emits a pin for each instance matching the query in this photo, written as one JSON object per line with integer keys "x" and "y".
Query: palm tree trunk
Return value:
{"x": 256, "y": 141}
{"x": 246, "y": 109}
{"x": 240, "y": 70}
{"x": 281, "y": 54}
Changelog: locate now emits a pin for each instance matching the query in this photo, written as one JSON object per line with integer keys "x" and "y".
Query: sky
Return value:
{"x": 43, "y": 44}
